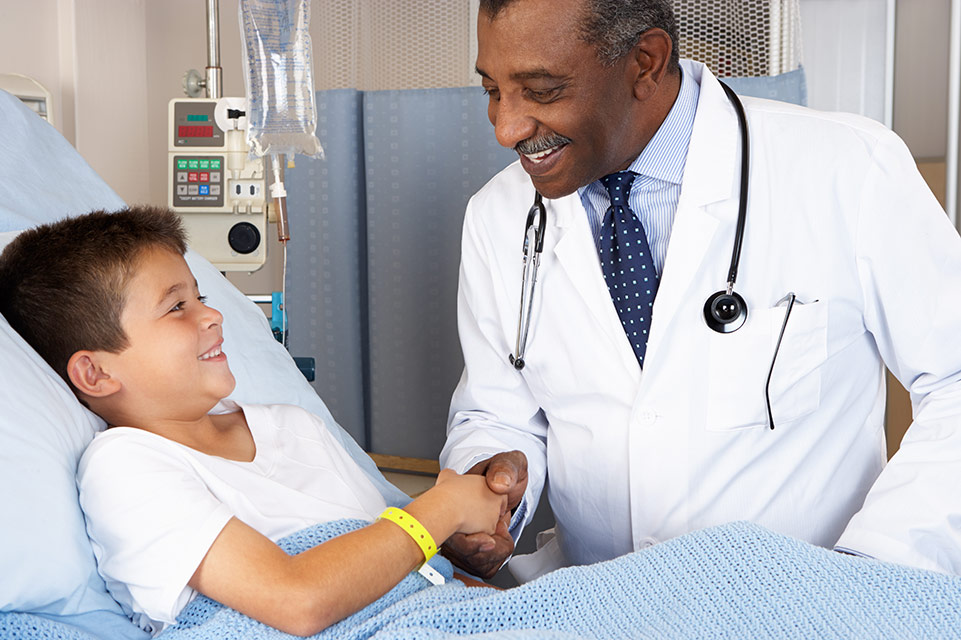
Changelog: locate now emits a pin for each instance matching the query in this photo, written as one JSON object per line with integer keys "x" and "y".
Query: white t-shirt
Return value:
{"x": 154, "y": 506}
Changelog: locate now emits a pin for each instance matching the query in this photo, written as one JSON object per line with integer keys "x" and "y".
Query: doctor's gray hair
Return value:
{"x": 613, "y": 27}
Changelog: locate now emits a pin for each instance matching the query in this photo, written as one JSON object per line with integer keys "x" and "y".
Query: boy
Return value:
{"x": 178, "y": 500}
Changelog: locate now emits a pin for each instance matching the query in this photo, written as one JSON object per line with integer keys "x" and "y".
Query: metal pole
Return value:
{"x": 954, "y": 115}
{"x": 214, "y": 72}
{"x": 892, "y": 18}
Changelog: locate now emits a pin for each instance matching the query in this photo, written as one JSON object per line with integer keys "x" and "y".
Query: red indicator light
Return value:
{"x": 195, "y": 131}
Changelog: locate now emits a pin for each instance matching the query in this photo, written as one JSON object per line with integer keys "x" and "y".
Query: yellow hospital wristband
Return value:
{"x": 413, "y": 528}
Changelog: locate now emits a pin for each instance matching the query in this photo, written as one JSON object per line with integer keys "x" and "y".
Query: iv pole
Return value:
{"x": 214, "y": 81}
{"x": 954, "y": 116}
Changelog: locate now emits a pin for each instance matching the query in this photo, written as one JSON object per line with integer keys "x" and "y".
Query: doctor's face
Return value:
{"x": 551, "y": 99}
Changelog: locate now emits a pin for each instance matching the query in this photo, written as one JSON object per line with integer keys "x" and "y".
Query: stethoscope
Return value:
{"x": 724, "y": 311}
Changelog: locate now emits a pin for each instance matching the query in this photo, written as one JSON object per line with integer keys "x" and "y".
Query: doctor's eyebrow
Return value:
{"x": 538, "y": 73}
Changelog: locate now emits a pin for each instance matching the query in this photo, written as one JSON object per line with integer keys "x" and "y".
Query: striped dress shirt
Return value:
{"x": 660, "y": 169}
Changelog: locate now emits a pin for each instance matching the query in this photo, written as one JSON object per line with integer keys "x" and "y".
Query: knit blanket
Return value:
{"x": 732, "y": 581}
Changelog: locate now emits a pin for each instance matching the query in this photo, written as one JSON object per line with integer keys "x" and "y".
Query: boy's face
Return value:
{"x": 173, "y": 368}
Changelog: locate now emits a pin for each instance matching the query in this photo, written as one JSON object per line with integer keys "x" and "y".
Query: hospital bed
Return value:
{"x": 47, "y": 566}
{"x": 47, "y": 562}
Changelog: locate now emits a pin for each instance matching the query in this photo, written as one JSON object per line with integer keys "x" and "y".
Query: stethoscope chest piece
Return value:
{"x": 725, "y": 312}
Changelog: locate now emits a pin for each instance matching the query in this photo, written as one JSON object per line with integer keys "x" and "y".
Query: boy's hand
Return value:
{"x": 479, "y": 508}
{"x": 482, "y": 554}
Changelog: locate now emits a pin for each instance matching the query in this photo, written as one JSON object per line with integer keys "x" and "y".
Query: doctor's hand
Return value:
{"x": 479, "y": 553}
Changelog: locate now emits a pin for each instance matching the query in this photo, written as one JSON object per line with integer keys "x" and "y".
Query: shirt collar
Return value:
{"x": 665, "y": 155}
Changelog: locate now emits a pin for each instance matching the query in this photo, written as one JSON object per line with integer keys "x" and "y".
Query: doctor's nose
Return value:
{"x": 511, "y": 122}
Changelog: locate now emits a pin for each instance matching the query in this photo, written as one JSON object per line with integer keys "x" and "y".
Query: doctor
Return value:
{"x": 847, "y": 264}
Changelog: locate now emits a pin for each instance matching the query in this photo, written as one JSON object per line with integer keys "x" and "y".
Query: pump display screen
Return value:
{"x": 195, "y": 131}
{"x": 193, "y": 124}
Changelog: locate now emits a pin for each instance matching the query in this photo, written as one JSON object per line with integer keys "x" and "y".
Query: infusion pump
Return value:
{"x": 216, "y": 188}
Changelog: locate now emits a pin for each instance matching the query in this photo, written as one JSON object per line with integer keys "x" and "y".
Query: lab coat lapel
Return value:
{"x": 710, "y": 176}
{"x": 576, "y": 253}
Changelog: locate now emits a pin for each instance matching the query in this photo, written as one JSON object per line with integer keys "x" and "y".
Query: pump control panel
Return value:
{"x": 219, "y": 191}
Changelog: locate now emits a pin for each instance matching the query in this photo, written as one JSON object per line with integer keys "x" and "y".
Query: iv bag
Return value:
{"x": 279, "y": 78}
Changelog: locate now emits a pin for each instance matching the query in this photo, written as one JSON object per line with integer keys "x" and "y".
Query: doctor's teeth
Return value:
{"x": 537, "y": 157}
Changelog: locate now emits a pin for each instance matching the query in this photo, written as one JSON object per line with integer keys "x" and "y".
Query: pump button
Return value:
{"x": 243, "y": 238}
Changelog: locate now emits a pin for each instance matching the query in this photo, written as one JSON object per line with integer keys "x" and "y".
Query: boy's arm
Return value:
{"x": 306, "y": 593}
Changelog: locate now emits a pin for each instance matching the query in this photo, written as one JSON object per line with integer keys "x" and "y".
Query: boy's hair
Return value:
{"x": 63, "y": 285}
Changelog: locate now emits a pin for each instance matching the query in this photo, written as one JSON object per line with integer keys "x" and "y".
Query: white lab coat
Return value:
{"x": 839, "y": 215}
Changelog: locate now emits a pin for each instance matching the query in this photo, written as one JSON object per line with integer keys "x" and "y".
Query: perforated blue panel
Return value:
{"x": 325, "y": 277}
{"x": 427, "y": 152}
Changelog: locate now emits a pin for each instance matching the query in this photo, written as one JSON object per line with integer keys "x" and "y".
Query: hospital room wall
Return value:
{"x": 90, "y": 55}
{"x": 113, "y": 65}
{"x": 109, "y": 62}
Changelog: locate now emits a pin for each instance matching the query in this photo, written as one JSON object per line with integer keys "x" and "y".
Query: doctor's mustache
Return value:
{"x": 536, "y": 145}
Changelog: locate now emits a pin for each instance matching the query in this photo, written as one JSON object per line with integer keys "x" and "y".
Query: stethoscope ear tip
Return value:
{"x": 517, "y": 362}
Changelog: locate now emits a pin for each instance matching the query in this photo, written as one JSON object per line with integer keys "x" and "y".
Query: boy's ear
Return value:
{"x": 88, "y": 376}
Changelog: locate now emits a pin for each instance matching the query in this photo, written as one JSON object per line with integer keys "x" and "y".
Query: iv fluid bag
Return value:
{"x": 279, "y": 77}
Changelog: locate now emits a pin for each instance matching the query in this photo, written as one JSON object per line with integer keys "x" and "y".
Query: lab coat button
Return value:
{"x": 646, "y": 417}
{"x": 644, "y": 543}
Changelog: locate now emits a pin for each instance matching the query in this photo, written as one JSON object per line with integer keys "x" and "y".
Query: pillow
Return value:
{"x": 43, "y": 431}
{"x": 42, "y": 177}
{"x": 45, "y": 557}
{"x": 46, "y": 560}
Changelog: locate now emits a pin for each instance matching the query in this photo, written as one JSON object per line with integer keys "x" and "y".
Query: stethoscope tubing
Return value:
{"x": 532, "y": 261}
{"x": 743, "y": 190}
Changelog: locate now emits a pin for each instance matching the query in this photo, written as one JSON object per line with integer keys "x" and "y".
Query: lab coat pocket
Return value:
{"x": 740, "y": 361}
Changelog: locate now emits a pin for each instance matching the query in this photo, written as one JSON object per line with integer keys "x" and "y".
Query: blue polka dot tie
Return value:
{"x": 627, "y": 263}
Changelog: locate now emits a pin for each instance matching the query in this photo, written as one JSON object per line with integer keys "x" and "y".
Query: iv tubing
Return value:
{"x": 283, "y": 300}
{"x": 279, "y": 195}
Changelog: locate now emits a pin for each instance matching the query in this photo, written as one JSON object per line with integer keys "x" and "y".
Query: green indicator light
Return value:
{"x": 181, "y": 164}
{"x": 197, "y": 117}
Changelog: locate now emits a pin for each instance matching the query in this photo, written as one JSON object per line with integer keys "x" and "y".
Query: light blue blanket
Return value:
{"x": 733, "y": 581}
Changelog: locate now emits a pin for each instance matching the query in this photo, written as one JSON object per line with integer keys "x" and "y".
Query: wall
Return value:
{"x": 921, "y": 76}
{"x": 114, "y": 76}
{"x": 844, "y": 49}
{"x": 91, "y": 56}
{"x": 30, "y": 45}
{"x": 106, "y": 69}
